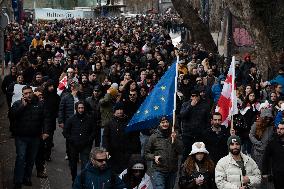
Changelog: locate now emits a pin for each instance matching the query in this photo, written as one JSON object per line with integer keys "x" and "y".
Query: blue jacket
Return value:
{"x": 278, "y": 118}
{"x": 278, "y": 80}
{"x": 216, "y": 91}
{"x": 98, "y": 179}
{"x": 217, "y": 88}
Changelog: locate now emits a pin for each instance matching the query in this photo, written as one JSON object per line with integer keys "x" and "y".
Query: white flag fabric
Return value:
{"x": 227, "y": 104}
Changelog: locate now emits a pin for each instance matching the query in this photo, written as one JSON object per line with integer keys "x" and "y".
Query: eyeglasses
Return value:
{"x": 132, "y": 94}
{"x": 101, "y": 160}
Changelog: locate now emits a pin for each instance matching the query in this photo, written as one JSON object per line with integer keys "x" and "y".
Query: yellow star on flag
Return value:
{"x": 146, "y": 112}
{"x": 163, "y": 88}
{"x": 156, "y": 107}
{"x": 163, "y": 99}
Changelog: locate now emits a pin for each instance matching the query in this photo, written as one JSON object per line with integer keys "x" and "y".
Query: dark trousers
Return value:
{"x": 26, "y": 150}
{"x": 278, "y": 179}
{"x": 48, "y": 145}
{"x": 164, "y": 180}
{"x": 74, "y": 154}
{"x": 40, "y": 158}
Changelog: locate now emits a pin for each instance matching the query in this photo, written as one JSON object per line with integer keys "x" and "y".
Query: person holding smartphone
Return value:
{"x": 197, "y": 171}
{"x": 30, "y": 126}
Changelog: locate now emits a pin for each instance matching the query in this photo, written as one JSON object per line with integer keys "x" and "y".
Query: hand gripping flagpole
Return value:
{"x": 175, "y": 97}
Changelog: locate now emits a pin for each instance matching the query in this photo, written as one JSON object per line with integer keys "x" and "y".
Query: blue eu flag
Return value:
{"x": 159, "y": 103}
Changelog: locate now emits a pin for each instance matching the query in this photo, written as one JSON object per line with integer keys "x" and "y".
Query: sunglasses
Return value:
{"x": 101, "y": 160}
{"x": 132, "y": 94}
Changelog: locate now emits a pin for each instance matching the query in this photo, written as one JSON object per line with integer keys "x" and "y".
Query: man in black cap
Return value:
{"x": 236, "y": 170}
{"x": 195, "y": 116}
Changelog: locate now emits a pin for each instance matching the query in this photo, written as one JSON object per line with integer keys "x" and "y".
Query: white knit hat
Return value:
{"x": 198, "y": 147}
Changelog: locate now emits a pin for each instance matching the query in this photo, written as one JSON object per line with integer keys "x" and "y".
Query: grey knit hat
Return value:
{"x": 232, "y": 139}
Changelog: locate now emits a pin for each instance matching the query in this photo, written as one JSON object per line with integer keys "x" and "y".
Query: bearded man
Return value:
{"x": 236, "y": 170}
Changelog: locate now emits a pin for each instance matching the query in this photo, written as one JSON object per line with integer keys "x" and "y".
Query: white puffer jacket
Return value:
{"x": 228, "y": 174}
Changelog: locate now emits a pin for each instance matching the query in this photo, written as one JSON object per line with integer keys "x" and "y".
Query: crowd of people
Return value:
{"x": 89, "y": 77}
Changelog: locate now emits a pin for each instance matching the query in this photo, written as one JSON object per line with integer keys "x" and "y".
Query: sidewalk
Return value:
{"x": 7, "y": 150}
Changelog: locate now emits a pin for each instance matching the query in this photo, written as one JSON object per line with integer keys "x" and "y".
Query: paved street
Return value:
{"x": 57, "y": 169}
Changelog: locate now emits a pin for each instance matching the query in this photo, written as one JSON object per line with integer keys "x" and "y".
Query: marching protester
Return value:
{"x": 215, "y": 138}
{"x": 249, "y": 112}
{"x": 163, "y": 149}
{"x": 195, "y": 115}
{"x": 198, "y": 169}
{"x": 119, "y": 144}
{"x": 236, "y": 170}
{"x": 67, "y": 108}
{"x": 98, "y": 173}
{"x": 7, "y": 81}
{"x": 51, "y": 103}
{"x": 274, "y": 154}
{"x": 31, "y": 124}
{"x": 261, "y": 133}
{"x": 80, "y": 131}
{"x": 135, "y": 176}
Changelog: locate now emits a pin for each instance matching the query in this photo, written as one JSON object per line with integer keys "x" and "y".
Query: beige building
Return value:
{"x": 132, "y": 6}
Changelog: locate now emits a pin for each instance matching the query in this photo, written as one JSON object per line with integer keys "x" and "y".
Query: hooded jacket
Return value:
{"x": 217, "y": 88}
{"x": 98, "y": 179}
{"x": 81, "y": 130}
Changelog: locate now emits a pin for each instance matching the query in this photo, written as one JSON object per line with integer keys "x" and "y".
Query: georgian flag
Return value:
{"x": 227, "y": 103}
{"x": 62, "y": 85}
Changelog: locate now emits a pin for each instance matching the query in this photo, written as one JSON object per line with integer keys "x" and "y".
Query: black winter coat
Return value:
{"x": 54, "y": 73}
{"x": 93, "y": 109}
{"x": 31, "y": 120}
{"x": 8, "y": 79}
{"x": 120, "y": 144}
{"x": 187, "y": 181}
{"x": 81, "y": 130}
{"x": 66, "y": 108}
{"x": 195, "y": 119}
{"x": 216, "y": 144}
{"x": 274, "y": 152}
{"x": 86, "y": 91}
{"x": 17, "y": 53}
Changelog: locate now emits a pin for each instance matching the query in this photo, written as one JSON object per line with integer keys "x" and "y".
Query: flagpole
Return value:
{"x": 175, "y": 96}
{"x": 233, "y": 92}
